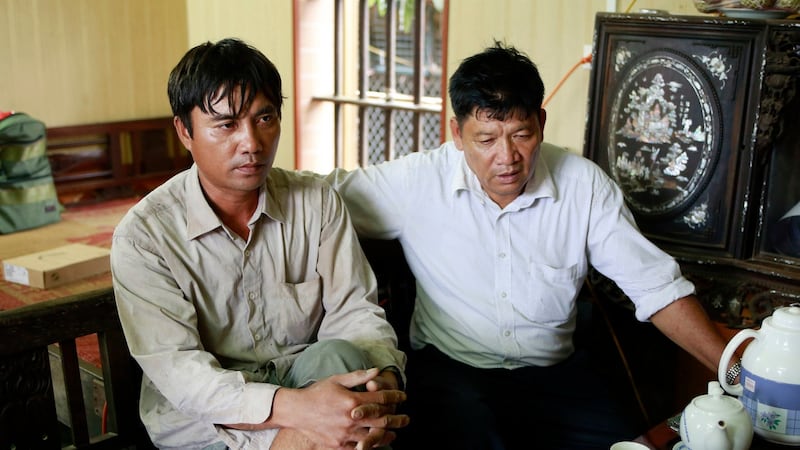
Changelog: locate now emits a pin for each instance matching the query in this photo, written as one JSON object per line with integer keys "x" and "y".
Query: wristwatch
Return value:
{"x": 733, "y": 372}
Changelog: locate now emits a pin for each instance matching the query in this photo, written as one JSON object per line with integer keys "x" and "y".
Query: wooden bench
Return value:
{"x": 28, "y": 336}
{"x": 95, "y": 162}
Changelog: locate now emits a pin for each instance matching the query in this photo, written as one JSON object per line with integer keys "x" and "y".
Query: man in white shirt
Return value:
{"x": 242, "y": 289}
{"x": 499, "y": 230}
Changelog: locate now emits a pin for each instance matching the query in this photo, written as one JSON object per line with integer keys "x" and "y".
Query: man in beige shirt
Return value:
{"x": 242, "y": 288}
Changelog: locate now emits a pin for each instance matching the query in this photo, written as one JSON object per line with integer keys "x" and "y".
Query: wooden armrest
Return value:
{"x": 28, "y": 417}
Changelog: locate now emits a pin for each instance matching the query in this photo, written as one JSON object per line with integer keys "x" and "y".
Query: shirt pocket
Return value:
{"x": 295, "y": 311}
{"x": 551, "y": 292}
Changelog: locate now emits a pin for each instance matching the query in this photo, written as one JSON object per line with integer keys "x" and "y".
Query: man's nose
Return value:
{"x": 507, "y": 151}
{"x": 249, "y": 139}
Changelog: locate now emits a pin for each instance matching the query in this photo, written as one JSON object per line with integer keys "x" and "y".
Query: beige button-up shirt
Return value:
{"x": 210, "y": 316}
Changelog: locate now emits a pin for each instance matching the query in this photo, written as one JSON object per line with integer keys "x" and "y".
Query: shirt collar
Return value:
{"x": 541, "y": 184}
{"x": 201, "y": 218}
{"x": 269, "y": 199}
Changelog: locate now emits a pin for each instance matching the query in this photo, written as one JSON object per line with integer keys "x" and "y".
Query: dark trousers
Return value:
{"x": 566, "y": 406}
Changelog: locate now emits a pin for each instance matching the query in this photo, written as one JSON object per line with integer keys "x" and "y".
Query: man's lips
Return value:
{"x": 250, "y": 168}
{"x": 508, "y": 177}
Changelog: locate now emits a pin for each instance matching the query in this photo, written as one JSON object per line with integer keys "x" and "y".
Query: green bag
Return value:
{"x": 28, "y": 197}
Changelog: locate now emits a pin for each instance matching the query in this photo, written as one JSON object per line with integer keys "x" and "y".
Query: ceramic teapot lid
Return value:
{"x": 715, "y": 401}
{"x": 787, "y": 317}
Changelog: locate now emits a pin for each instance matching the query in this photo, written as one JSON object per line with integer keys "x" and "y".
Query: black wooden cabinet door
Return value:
{"x": 673, "y": 108}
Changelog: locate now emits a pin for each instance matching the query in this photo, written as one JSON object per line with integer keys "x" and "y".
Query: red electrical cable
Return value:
{"x": 104, "y": 419}
{"x": 584, "y": 60}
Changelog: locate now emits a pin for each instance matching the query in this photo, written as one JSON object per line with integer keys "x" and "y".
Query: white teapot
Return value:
{"x": 715, "y": 421}
{"x": 769, "y": 384}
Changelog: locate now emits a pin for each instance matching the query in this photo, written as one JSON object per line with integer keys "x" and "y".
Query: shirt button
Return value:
{"x": 251, "y": 295}
{"x": 503, "y": 295}
{"x": 247, "y": 253}
{"x": 257, "y": 337}
{"x": 502, "y": 255}
{"x": 507, "y": 333}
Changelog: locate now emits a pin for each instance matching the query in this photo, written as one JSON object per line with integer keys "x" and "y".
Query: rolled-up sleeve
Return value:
{"x": 650, "y": 277}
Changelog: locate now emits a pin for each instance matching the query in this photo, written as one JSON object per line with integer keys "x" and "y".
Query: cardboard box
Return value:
{"x": 57, "y": 266}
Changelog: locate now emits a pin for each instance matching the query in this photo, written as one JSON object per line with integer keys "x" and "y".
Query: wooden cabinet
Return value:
{"x": 698, "y": 120}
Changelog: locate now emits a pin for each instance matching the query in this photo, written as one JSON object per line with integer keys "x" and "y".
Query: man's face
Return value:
{"x": 500, "y": 153}
{"x": 233, "y": 152}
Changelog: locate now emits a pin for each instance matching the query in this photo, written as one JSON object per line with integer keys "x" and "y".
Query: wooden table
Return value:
{"x": 80, "y": 224}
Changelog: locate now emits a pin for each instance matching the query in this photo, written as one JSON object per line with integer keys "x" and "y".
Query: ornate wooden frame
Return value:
{"x": 749, "y": 69}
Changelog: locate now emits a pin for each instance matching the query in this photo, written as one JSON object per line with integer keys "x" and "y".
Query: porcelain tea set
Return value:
{"x": 766, "y": 401}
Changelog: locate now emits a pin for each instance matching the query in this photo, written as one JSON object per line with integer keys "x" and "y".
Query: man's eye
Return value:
{"x": 267, "y": 118}
{"x": 226, "y": 125}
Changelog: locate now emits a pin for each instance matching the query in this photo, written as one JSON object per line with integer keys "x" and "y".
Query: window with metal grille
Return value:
{"x": 396, "y": 105}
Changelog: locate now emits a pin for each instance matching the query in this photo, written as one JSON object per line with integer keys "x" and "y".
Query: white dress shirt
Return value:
{"x": 497, "y": 287}
{"x": 207, "y": 314}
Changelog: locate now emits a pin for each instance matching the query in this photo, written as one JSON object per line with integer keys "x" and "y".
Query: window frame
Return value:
{"x": 389, "y": 101}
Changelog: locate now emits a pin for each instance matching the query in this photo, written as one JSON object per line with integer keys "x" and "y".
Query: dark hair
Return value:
{"x": 499, "y": 81}
{"x": 209, "y": 72}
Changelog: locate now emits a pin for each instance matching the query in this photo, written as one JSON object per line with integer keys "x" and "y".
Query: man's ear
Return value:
{"x": 542, "y": 118}
{"x": 455, "y": 130}
{"x": 183, "y": 133}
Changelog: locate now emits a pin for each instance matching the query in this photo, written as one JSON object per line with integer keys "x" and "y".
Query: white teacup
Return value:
{"x": 628, "y": 445}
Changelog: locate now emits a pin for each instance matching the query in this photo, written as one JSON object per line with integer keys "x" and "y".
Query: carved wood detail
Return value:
{"x": 26, "y": 390}
{"x": 781, "y": 69}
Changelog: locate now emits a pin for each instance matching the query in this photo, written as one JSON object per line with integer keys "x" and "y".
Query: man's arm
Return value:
{"x": 373, "y": 196}
{"x": 329, "y": 412}
{"x": 350, "y": 291}
{"x": 161, "y": 329}
{"x": 686, "y": 323}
